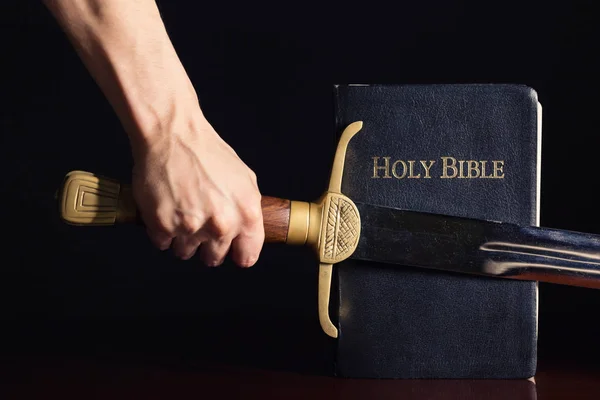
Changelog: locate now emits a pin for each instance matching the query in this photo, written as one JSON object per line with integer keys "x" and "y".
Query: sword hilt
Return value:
{"x": 88, "y": 199}
{"x": 330, "y": 226}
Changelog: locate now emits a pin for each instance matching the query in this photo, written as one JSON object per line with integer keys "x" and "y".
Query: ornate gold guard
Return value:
{"x": 331, "y": 225}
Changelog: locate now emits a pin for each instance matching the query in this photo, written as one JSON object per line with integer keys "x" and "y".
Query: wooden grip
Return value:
{"x": 90, "y": 200}
{"x": 276, "y": 219}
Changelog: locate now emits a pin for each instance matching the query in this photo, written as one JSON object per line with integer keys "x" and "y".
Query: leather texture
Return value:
{"x": 412, "y": 323}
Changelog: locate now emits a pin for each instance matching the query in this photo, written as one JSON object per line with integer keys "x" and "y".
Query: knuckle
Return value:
{"x": 213, "y": 259}
{"x": 184, "y": 247}
{"x": 253, "y": 177}
{"x": 252, "y": 214}
{"x": 222, "y": 225}
{"x": 214, "y": 252}
{"x": 190, "y": 224}
{"x": 163, "y": 226}
{"x": 250, "y": 206}
{"x": 187, "y": 254}
{"x": 160, "y": 241}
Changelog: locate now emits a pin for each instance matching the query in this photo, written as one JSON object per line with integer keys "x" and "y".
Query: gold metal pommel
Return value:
{"x": 88, "y": 199}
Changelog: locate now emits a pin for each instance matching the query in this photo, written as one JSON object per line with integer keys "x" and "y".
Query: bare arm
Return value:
{"x": 125, "y": 46}
{"x": 192, "y": 189}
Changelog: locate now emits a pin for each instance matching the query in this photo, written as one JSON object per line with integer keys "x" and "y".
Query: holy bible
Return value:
{"x": 470, "y": 150}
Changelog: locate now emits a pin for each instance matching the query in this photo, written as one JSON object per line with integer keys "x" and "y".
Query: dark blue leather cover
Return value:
{"x": 408, "y": 323}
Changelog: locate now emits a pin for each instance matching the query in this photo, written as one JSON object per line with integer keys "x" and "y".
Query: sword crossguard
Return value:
{"x": 331, "y": 225}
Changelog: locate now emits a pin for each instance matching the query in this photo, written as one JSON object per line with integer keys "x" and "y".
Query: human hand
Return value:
{"x": 191, "y": 188}
{"x": 194, "y": 192}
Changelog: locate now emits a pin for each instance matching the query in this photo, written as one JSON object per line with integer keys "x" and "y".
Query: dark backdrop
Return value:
{"x": 264, "y": 76}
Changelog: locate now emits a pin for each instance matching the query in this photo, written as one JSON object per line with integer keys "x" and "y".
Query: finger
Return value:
{"x": 179, "y": 248}
{"x": 157, "y": 230}
{"x": 185, "y": 247}
{"x": 214, "y": 251}
{"x": 159, "y": 239}
{"x": 246, "y": 248}
{"x": 218, "y": 233}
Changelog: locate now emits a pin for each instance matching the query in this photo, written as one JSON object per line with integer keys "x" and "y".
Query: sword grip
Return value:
{"x": 87, "y": 199}
{"x": 276, "y": 219}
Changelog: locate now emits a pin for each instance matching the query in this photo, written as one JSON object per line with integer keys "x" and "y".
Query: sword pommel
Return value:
{"x": 88, "y": 199}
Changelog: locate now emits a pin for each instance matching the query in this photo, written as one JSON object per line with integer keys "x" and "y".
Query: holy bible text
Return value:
{"x": 445, "y": 168}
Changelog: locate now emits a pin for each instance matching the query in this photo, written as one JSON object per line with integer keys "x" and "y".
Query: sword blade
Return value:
{"x": 478, "y": 247}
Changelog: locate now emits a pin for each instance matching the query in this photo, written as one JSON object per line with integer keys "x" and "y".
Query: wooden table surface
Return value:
{"x": 245, "y": 358}
{"x": 43, "y": 377}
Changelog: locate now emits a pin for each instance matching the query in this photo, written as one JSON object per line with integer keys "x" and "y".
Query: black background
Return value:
{"x": 264, "y": 76}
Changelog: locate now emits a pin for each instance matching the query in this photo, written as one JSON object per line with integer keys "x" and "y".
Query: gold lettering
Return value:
{"x": 447, "y": 166}
{"x": 427, "y": 168}
{"x": 472, "y": 165}
{"x": 386, "y": 167}
{"x": 451, "y": 168}
{"x": 461, "y": 169}
{"x": 403, "y": 169}
{"x": 498, "y": 167}
{"x": 411, "y": 164}
{"x": 483, "y": 175}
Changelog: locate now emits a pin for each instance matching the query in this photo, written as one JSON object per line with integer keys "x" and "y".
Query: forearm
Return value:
{"x": 125, "y": 47}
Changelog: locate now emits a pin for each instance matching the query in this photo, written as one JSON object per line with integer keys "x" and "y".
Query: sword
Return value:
{"x": 337, "y": 229}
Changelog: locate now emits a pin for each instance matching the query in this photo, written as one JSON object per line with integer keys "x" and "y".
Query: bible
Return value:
{"x": 468, "y": 150}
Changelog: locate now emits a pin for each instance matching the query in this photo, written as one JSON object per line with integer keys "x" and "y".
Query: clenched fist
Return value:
{"x": 194, "y": 193}
{"x": 192, "y": 190}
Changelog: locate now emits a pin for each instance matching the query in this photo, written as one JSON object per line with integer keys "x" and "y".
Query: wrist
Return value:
{"x": 145, "y": 82}
{"x": 150, "y": 111}
{"x": 154, "y": 123}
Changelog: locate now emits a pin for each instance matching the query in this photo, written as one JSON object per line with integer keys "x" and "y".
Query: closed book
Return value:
{"x": 470, "y": 150}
